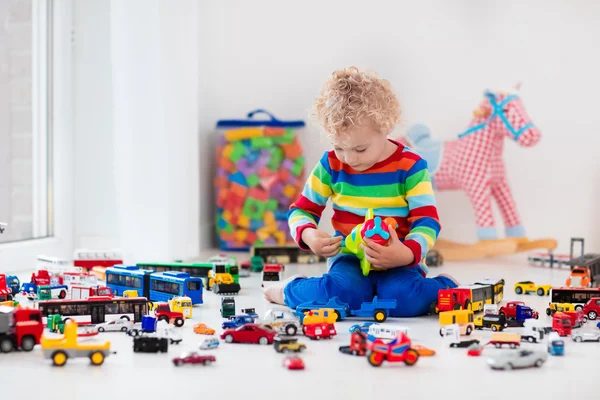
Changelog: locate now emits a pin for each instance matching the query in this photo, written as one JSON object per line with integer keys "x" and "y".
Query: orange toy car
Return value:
{"x": 202, "y": 329}
{"x": 580, "y": 277}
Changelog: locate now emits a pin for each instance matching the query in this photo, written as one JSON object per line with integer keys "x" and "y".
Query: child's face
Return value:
{"x": 361, "y": 147}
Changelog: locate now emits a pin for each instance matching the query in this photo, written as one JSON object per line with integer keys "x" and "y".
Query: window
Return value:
{"x": 111, "y": 308}
{"x": 25, "y": 134}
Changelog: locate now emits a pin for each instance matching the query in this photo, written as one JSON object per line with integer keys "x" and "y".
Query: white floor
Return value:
{"x": 249, "y": 371}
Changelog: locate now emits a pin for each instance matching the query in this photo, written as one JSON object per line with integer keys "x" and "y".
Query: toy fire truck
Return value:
{"x": 19, "y": 328}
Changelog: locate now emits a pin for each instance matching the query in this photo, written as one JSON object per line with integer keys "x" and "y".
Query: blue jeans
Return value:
{"x": 413, "y": 292}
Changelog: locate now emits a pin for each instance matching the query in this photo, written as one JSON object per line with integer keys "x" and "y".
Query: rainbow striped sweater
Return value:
{"x": 398, "y": 187}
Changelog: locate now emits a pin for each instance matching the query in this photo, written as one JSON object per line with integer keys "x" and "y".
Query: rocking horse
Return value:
{"x": 473, "y": 163}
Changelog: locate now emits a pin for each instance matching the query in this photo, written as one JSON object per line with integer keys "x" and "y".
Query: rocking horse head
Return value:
{"x": 505, "y": 115}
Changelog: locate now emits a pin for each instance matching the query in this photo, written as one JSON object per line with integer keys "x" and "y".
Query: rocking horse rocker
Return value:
{"x": 473, "y": 163}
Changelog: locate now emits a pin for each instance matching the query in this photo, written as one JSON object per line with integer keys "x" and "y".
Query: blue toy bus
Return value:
{"x": 166, "y": 285}
{"x": 120, "y": 278}
{"x": 155, "y": 286}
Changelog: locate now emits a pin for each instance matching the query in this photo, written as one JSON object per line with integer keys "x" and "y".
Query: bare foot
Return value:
{"x": 274, "y": 293}
{"x": 451, "y": 278}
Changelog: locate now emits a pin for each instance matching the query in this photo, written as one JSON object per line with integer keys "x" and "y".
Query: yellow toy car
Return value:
{"x": 202, "y": 329}
{"x": 526, "y": 287}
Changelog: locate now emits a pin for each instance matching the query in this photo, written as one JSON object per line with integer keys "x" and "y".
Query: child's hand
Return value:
{"x": 321, "y": 243}
{"x": 395, "y": 254}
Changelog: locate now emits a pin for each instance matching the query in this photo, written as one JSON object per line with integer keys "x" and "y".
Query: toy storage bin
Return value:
{"x": 260, "y": 173}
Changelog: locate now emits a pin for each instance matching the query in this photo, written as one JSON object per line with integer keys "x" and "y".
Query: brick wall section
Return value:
{"x": 16, "y": 173}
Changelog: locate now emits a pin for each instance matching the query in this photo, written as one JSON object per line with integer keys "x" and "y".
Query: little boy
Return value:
{"x": 365, "y": 170}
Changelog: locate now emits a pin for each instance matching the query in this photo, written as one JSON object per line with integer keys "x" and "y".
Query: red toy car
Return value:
{"x": 319, "y": 330}
{"x": 398, "y": 350}
{"x": 193, "y": 358}
{"x": 249, "y": 333}
{"x": 293, "y": 362}
{"x": 592, "y": 308}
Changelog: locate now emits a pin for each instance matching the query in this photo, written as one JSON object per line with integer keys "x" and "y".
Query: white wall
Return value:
{"x": 439, "y": 56}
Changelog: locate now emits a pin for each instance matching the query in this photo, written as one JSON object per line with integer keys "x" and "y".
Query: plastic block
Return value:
{"x": 277, "y": 156}
{"x": 256, "y": 224}
{"x": 251, "y": 238}
{"x": 253, "y": 180}
{"x": 258, "y": 194}
{"x": 241, "y": 235}
{"x": 238, "y": 151}
{"x": 292, "y": 150}
{"x": 298, "y": 166}
{"x": 238, "y": 190}
{"x": 243, "y": 133}
{"x": 227, "y": 151}
{"x": 289, "y": 191}
{"x": 269, "y": 218}
{"x": 254, "y": 208}
{"x": 227, "y": 165}
{"x": 279, "y": 237}
{"x": 244, "y": 221}
{"x": 261, "y": 143}
{"x": 286, "y": 138}
{"x": 238, "y": 178}
{"x": 284, "y": 175}
{"x": 272, "y": 205}
{"x": 268, "y": 131}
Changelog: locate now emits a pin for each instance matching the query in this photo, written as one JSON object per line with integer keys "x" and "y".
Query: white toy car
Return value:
{"x": 282, "y": 321}
{"x": 518, "y": 359}
{"x": 209, "y": 343}
{"x": 585, "y": 336}
{"x": 122, "y": 325}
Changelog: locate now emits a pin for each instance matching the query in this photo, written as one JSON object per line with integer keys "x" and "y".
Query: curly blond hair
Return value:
{"x": 351, "y": 97}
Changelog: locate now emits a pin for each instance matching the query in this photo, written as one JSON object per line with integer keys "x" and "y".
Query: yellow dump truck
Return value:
{"x": 59, "y": 350}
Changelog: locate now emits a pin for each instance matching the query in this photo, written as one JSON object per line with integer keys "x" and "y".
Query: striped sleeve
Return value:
{"x": 422, "y": 212}
{"x": 306, "y": 211}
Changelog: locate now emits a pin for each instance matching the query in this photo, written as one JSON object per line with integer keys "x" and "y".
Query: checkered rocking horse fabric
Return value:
{"x": 473, "y": 162}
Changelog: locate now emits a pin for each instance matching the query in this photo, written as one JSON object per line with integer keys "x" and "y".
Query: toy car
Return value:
{"x": 556, "y": 345}
{"x": 202, "y": 329}
{"x": 341, "y": 309}
{"x": 193, "y": 358}
{"x": 249, "y": 333}
{"x": 475, "y": 350}
{"x": 238, "y": 321}
{"x": 526, "y": 287}
{"x": 464, "y": 343}
{"x": 319, "y": 330}
{"x": 293, "y": 362}
{"x": 122, "y": 325}
{"x": 284, "y": 345}
{"x": 585, "y": 336}
{"x": 518, "y": 359}
{"x": 364, "y": 327}
{"x": 209, "y": 343}
{"x": 423, "y": 351}
{"x": 283, "y": 321}
{"x": 580, "y": 277}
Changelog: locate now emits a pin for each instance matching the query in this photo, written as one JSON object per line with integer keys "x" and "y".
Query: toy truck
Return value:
{"x": 513, "y": 309}
{"x": 237, "y": 321}
{"x": 578, "y": 318}
{"x": 55, "y": 323}
{"x": 521, "y": 314}
{"x": 163, "y": 312}
{"x": 282, "y": 321}
{"x": 358, "y": 344}
{"x": 556, "y": 345}
{"x": 500, "y": 339}
{"x": 182, "y": 304}
{"x": 6, "y": 292}
{"x": 227, "y": 307}
{"x": 451, "y": 336}
{"x": 534, "y": 332}
{"x": 19, "y": 328}
{"x": 83, "y": 292}
{"x": 13, "y": 283}
{"x": 220, "y": 281}
{"x": 150, "y": 344}
{"x": 496, "y": 322}
{"x": 561, "y": 323}
{"x": 377, "y": 309}
{"x": 61, "y": 349}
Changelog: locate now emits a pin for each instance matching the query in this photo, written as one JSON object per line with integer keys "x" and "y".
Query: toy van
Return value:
{"x": 327, "y": 315}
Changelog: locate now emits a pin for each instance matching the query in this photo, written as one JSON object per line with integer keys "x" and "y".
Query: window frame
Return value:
{"x": 52, "y": 140}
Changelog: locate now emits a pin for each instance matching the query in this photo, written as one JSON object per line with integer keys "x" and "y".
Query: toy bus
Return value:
{"x": 96, "y": 309}
{"x": 194, "y": 269}
{"x": 472, "y": 297}
{"x": 88, "y": 259}
{"x": 576, "y": 296}
{"x": 155, "y": 286}
{"x": 462, "y": 318}
{"x": 497, "y": 286}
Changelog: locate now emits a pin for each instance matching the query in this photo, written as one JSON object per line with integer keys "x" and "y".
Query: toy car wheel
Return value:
{"x": 206, "y": 362}
{"x": 229, "y": 339}
{"x": 469, "y": 330}
{"x": 498, "y": 345}
{"x": 178, "y": 363}
{"x": 548, "y": 311}
{"x": 100, "y": 329}
{"x": 97, "y": 358}
{"x": 441, "y": 332}
{"x": 284, "y": 350}
{"x": 62, "y": 294}
{"x": 578, "y": 307}
{"x": 494, "y": 328}
{"x": 126, "y": 318}
{"x": 124, "y": 329}
{"x": 411, "y": 357}
{"x": 578, "y": 339}
{"x": 513, "y": 346}
{"x": 263, "y": 340}
{"x": 508, "y": 366}
{"x": 538, "y": 363}
{"x": 518, "y": 290}
{"x": 291, "y": 330}
{"x": 27, "y": 343}
{"x": 302, "y": 348}
{"x": 179, "y": 322}
{"x": 163, "y": 318}
{"x": 380, "y": 315}
{"x": 540, "y": 292}
{"x": 59, "y": 358}
{"x": 375, "y": 359}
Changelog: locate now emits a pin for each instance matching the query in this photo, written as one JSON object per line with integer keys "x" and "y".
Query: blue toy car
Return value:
{"x": 364, "y": 327}
{"x": 238, "y": 321}
{"x": 341, "y": 309}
